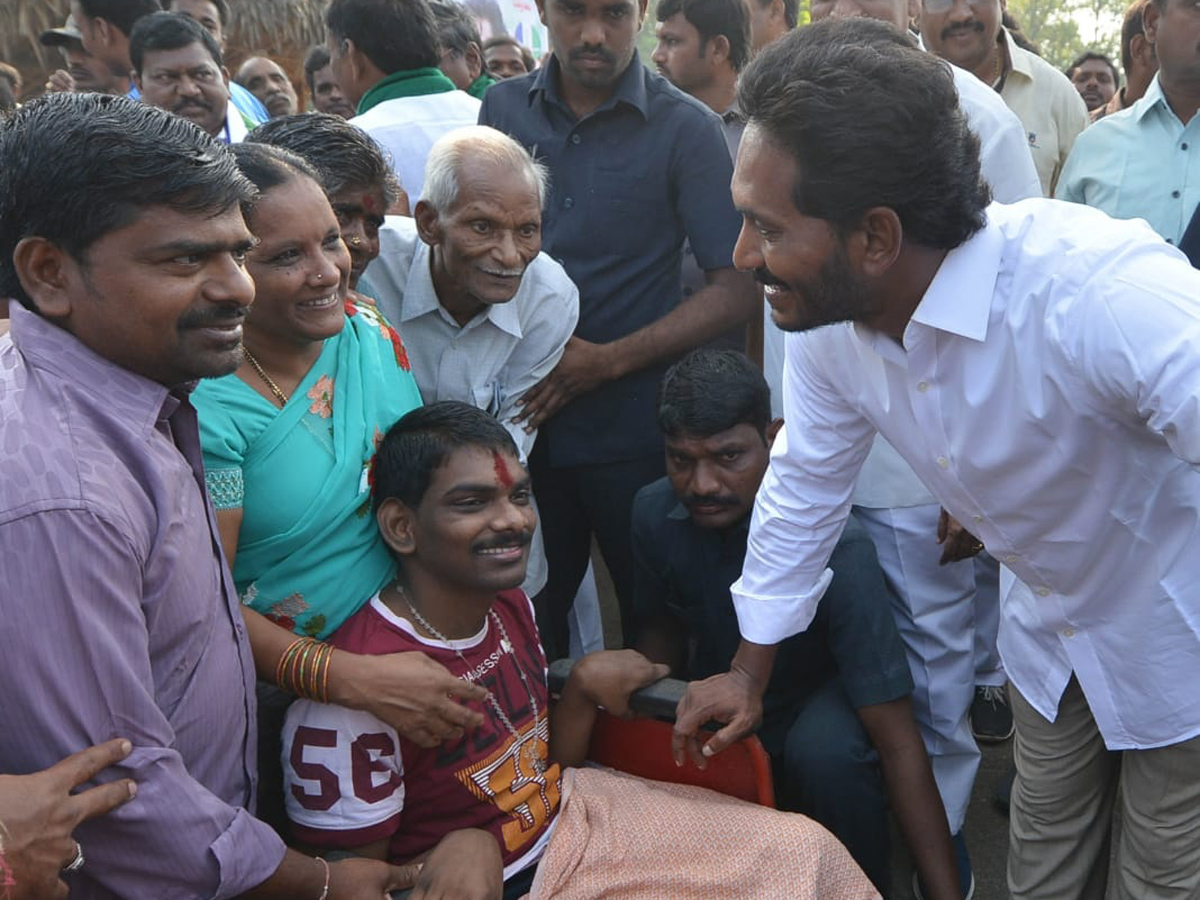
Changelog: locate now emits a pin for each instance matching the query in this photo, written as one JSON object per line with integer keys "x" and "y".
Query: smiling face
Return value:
{"x": 961, "y": 31}
{"x": 188, "y": 82}
{"x": 164, "y": 296}
{"x": 717, "y": 477}
{"x": 484, "y": 242}
{"x": 800, "y": 260}
{"x": 594, "y": 40}
{"x": 300, "y": 266}
{"x": 270, "y": 84}
{"x": 472, "y": 528}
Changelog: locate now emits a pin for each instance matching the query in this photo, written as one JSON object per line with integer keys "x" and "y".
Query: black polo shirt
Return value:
{"x": 628, "y": 183}
{"x": 684, "y": 572}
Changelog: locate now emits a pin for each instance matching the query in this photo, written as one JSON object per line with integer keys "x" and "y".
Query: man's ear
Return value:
{"x": 877, "y": 240}
{"x": 474, "y": 59}
{"x": 541, "y": 8}
{"x": 429, "y": 227}
{"x": 718, "y": 48}
{"x": 396, "y": 520}
{"x": 46, "y": 272}
{"x": 778, "y": 11}
{"x": 1150, "y": 19}
{"x": 773, "y": 429}
{"x": 225, "y": 78}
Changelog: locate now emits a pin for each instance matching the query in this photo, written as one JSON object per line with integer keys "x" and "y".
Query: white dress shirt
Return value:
{"x": 407, "y": 128}
{"x": 1048, "y": 392}
{"x": 497, "y": 356}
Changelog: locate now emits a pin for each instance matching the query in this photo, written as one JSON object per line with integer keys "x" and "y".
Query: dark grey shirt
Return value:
{"x": 629, "y": 182}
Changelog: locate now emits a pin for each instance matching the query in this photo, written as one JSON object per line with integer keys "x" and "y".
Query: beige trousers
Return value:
{"x": 1063, "y": 800}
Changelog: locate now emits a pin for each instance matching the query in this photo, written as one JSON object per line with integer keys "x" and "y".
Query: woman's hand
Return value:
{"x": 409, "y": 691}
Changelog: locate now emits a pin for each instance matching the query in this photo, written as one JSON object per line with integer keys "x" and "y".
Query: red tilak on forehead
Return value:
{"x": 368, "y": 203}
{"x": 500, "y": 466}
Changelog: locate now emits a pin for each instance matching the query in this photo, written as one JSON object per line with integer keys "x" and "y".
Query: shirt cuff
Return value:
{"x": 768, "y": 620}
{"x": 248, "y": 853}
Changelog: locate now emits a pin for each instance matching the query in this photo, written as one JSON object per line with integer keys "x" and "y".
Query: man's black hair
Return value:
{"x": 315, "y": 60}
{"x": 75, "y": 167}
{"x": 268, "y": 167}
{"x": 1131, "y": 27}
{"x": 169, "y": 31}
{"x": 121, "y": 13}
{"x": 395, "y": 35}
{"x": 871, "y": 120}
{"x": 1094, "y": 54}
{"x": 710, "y": 391}
{"x": 507, "y": 40}
{"x": 791, "y": 11}
{"x": 715, "y": 17}
{"x": 343, "y": 155}
{"x": 421, "y": 443}
{"x": 456, "y": 28}
{"x": 221, "y": 5}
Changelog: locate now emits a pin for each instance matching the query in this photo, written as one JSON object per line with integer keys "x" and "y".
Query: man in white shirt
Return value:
{"x": 384, "y": 55}
{"x": 948, "y": 615}
{"x": 1036, "y": 365}
{"x": 485, "y": 315}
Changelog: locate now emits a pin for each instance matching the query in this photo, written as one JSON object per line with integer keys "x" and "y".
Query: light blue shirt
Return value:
{"x": 1139, "y": 163}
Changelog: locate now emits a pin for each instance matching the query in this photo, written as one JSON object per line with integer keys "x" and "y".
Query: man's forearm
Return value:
{"x": 755, "y": 662}
{"x": 728, "y": 300}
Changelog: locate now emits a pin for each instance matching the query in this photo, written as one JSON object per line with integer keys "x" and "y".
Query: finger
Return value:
{"x": 402, "y": 877}
{"x": 730, "y": 734}
{"x": 466, "y": 690}
{"x": 696, "y": 752}
{"x": 455, "y": 715}
{"x": 99, "y": 801}
{"x": 87, "y": 764}
{"x": 422, "y": 737}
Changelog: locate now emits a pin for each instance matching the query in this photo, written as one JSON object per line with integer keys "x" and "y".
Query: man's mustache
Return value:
{"x": 952, "y": 30}
{"x": 217, "y": 317}
{"x": 507, "y": 539}
{"x": 710, "y": 500}
{"x": 763, "y": 276}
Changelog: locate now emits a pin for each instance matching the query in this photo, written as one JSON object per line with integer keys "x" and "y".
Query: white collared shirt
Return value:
{"x": 1048, "y": 392}
{"x": 497, "y": 356}
{"x": 408, "y": 127}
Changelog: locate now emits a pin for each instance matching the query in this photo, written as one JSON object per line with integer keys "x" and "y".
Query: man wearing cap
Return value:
{"x": 83, "y": 72}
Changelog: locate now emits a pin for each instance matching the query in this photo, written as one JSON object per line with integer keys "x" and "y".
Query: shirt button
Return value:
{"x": 568, "y": 203}
{"x": 943, "y": 462}
{"x": 1043, "y": 592}
{"x": 575, "y": 139}
{"x": 1175, "y": 194}
{"x": 1069, "y": 632}
{"x": 1183, "y": 146}
{"x": 923, "y": 386}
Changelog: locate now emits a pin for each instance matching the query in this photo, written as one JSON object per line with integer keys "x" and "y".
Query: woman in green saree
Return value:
{"x": 288, "y": 439}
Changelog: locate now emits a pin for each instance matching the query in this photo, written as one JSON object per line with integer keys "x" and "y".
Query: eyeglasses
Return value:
{"x": 937, "y": 7}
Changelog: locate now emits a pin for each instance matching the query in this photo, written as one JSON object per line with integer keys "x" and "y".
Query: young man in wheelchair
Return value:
{"x": 498, "y": 812}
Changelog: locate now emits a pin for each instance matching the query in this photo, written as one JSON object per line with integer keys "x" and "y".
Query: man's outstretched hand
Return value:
{"x": 734, "y": 699}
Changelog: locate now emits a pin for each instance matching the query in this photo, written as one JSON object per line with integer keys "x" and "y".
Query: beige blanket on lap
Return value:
{"x": 624, "y": 838}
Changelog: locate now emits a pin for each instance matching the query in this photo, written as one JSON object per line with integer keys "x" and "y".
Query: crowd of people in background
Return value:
{"x": 859, "y": 357}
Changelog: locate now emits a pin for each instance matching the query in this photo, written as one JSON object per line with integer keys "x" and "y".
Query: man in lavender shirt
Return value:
{"x": 122, "y": 240}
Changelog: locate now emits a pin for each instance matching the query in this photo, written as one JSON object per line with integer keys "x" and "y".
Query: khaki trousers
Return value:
{"x": 1061, "y": 814}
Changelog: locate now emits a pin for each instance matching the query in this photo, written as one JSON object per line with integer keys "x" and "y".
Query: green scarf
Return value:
{"x": 413, "y": 83}
{"x": 480, "y": 84}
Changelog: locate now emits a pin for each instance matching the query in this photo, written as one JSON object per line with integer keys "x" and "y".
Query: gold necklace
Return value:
{"x": 279, "y": 395}
{"x": 998, "y": 70}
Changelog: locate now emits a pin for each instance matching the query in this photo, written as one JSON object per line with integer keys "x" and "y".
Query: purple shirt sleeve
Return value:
{"x": 80, "y": 668}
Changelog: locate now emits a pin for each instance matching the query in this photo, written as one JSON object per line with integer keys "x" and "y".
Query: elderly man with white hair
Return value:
{"x": 484, "y": 313}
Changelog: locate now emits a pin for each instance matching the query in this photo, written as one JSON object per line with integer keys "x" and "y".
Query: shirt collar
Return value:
{"x": 1153, "y": 97}
{"x": 122, "y": 394}
{"x": 959, "y": 299}
{"x": 631, "y": 88}
{"x": 1020, "y": 58}
{"x": 420, "y": 296}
